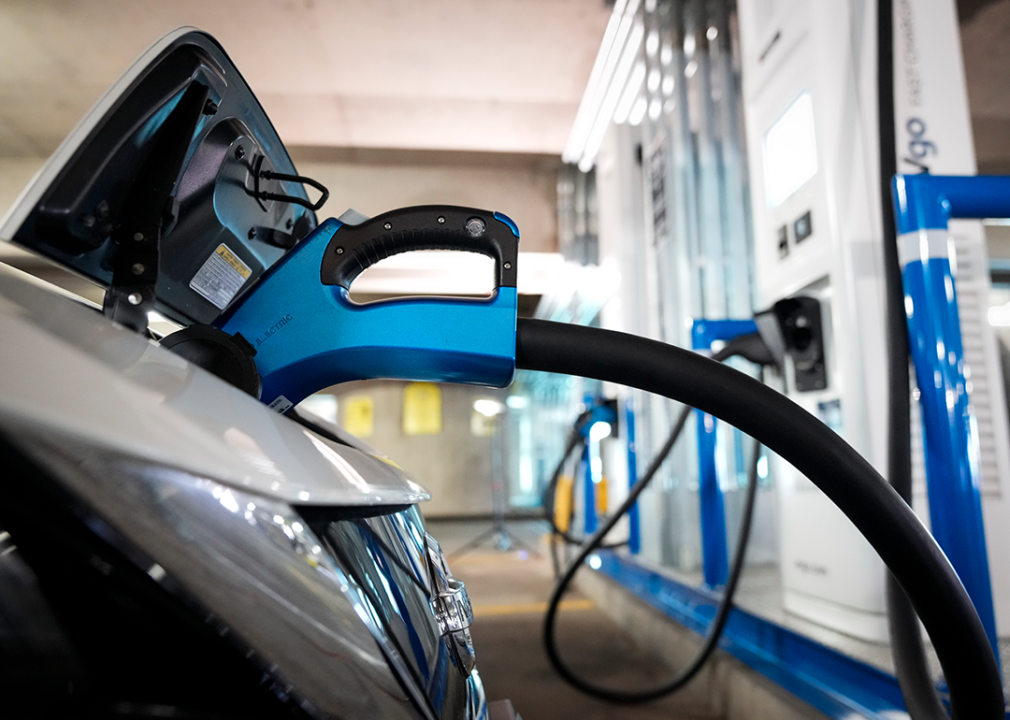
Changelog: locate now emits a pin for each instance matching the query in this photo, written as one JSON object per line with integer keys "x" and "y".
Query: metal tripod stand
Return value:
{"x": 501, "y": 538}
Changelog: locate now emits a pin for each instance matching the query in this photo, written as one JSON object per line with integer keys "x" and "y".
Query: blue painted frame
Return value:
{"x": 588, "y": 491}
{"x": 634, "y": 521}
{"x": 715, "y": 554}
{"x": 923, "y": 205}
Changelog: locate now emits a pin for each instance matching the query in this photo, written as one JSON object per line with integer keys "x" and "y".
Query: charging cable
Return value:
{"x": 752, "y": 347}
{"x": 890, "y": 526}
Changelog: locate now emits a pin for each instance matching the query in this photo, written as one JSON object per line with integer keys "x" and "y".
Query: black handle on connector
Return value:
{"x": 354, "y": 248}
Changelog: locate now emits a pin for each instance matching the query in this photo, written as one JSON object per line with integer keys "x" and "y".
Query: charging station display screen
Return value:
{"x": 790, "y": 151}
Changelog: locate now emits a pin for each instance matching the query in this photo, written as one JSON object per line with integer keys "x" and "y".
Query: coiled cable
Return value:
{"x": 734, "y": 347}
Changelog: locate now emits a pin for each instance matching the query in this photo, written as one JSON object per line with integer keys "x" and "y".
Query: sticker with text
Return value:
{"x": 221, "y": 277}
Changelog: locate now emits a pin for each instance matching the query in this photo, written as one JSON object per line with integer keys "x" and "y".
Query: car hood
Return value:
{"x": 70, "y": 372}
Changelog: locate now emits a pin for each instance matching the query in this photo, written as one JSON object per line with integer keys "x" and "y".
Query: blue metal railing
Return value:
{"x": 923, "y": 205}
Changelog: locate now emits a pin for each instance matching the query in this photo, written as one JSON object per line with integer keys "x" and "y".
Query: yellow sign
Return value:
{"x": 229, "y": 257}
{"x": 422, "y": 409}
{"x": 564, "y": 498}
{"x": 359, "y": 416}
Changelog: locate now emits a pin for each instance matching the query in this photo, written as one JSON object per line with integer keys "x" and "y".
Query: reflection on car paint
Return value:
{"x": 390, "y": 558}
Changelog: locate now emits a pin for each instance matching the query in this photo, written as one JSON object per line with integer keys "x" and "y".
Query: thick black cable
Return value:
{"x": 879, "y": 513}
{"x": 911, "y": 667}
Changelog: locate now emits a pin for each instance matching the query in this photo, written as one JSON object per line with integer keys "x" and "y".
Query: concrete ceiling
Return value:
{"x": 985, "y": 31}
{"x": 493, "y": 75}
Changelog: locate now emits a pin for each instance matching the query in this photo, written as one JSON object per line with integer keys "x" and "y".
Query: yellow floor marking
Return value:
{"x": 526, "y": 608}
{"x": 509, "y": 557}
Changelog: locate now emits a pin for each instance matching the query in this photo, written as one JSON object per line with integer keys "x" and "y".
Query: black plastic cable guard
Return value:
{"x": 890, "y": 526}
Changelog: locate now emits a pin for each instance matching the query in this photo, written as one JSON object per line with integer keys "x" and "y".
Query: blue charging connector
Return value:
{"x": 308, "y": 334}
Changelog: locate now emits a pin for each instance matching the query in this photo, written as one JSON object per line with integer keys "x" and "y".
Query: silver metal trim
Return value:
{"x": 452, "y": 608}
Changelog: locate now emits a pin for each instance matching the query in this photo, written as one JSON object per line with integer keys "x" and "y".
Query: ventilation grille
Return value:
{"x": 973, "y": 305}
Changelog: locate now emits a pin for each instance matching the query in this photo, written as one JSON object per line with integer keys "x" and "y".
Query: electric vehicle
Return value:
{"x": 171, "y": 545}
{"x": 180, "y": 540}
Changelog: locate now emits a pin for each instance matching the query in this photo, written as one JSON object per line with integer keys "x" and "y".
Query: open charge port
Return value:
{"x": 803, "y": 333}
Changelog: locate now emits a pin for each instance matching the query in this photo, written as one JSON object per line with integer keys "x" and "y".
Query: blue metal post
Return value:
{"x": 634, "y": 528}
{"x": 923, "y": 206}
{"x": 589, "y": 492}
{"x": 715, "y": 555}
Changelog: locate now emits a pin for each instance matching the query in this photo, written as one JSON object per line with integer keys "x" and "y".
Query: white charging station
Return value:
{"x": 811, "y": 117}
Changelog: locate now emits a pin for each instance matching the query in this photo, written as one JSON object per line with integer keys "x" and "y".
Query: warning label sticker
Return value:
{"x": 221, "y": 277}
{"x": 281, "y": 404}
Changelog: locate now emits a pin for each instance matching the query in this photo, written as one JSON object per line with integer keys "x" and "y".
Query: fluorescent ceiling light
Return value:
{"x": 638, "y": 111}
{"x": 999, "y": 316}
{"x": 631, "y": 91}
{"x": 654, "y": 77}
{"x": 666, "y": 54}
{"x": 600, "y": 91}
{"x": 609, "y": 104}
{"x": 487, "y": 407}
{"x": 584, "y": 117}
{"x": 652, "y": 43}
{"x": 655, "y": 108}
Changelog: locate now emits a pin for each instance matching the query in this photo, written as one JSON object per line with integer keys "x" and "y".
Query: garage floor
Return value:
{"x": 509, "y": 591}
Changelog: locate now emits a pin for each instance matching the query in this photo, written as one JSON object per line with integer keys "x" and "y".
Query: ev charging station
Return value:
{"x": 810, "y": 106}
{"x": 810, "y": 144}
{"x": 814, "y": 250}
{"x": 815, "y": 256}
